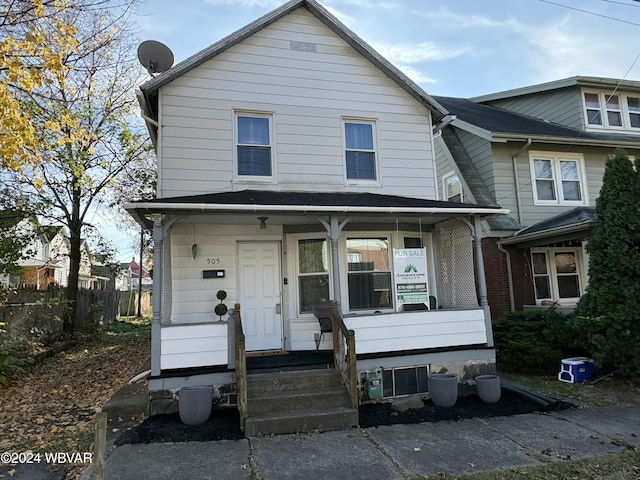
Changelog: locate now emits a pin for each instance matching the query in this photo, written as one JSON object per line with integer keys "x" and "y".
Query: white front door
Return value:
{"x": 259, "y": 275}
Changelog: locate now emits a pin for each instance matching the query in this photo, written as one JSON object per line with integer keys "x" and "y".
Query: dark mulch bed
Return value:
{"x": 468, "y": 406}
{"x": 224, "y": 424}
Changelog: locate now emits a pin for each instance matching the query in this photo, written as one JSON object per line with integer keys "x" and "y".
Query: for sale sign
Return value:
{"x": 410, "y": 276}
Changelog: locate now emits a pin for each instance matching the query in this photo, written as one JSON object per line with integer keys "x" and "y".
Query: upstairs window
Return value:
{"x": 606, "y": 110}
{"x": 558, "y": 179}
{"x": 360, "y": 153}
{"x": 452, "y": 188}
{"x": 254, "y": 145}
{"x": 633, "y": 105}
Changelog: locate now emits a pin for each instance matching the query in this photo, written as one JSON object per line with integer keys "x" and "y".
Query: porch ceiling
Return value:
{"x": 296, "y": 207}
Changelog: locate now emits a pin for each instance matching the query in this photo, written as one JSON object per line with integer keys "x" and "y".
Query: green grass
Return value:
{"x": 128, "y": 327}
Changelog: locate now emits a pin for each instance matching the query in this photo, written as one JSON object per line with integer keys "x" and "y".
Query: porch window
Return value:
{"x": 360, "y": 154}
{"x": 313, "y": 273}
{"x": 254, "y": 145}
{"x": 369, "y": 273}
{"x": 556, "y": 274}
{"x": 558, "y": 179}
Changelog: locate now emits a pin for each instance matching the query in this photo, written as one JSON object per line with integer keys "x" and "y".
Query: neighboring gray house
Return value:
{"x": 540, "y": 152}
{"x": 294, "y": 165}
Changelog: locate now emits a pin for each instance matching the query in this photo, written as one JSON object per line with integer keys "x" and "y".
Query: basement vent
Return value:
{"x": 404, "y": 381}
{"x": 303, "y": 46}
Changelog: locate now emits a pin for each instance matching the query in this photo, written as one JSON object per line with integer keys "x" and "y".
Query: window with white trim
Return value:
{"x": 360, "y": 150}
{"x": 451, "y": 188}
{"x": 608, "y": 110}
{"x": 557, "y": 274}
{"x": 313, "y": 273}
{"x": 369, "y": 273}
{"x": 254, "y": 148}
{"x": 558, "y": 178}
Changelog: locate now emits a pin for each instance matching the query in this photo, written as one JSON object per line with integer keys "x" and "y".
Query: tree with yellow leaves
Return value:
{"x": 69, "y": 79}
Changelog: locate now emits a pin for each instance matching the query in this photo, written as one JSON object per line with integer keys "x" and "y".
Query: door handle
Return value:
{"x": 278, "y": 308}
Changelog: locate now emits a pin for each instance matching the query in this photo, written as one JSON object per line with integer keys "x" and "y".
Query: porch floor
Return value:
{"x": 298, "y": 360}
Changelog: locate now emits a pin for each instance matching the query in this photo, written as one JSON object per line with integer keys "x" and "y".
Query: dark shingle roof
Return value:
{"x": 296, "y": 198}
{"x": 578, "y": 216}
{"x": 500, "y": 121}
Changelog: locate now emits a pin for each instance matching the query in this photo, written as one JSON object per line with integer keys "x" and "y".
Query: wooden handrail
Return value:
{"x": 241, "y": 366}
{"x": 343, "y": 337}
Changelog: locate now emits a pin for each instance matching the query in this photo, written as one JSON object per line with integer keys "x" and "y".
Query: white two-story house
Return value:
{"x": 296, "y": 166}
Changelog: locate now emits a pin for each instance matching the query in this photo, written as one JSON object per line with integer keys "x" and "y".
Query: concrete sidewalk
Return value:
{"x": 389, "y": 452}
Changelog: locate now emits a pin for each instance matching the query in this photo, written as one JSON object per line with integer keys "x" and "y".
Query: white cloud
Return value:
{"x": 416, "y": 53}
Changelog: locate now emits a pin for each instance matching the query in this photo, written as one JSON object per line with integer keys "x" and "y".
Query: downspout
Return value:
{"x": 512, "y": 301}
{"x": 516, "y": 181}
{"x": 476, "y": 231}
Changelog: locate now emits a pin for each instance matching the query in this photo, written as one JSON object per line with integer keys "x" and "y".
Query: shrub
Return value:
{"x": 609, "y": 310}
{"x": 534, "y": 341}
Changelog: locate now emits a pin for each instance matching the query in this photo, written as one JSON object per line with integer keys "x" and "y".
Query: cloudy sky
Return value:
{"x": 450, "y": 47}
{"x": 459, "y": 48}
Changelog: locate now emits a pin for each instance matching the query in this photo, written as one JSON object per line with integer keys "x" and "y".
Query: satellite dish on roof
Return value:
{"x": 155, "y": 56}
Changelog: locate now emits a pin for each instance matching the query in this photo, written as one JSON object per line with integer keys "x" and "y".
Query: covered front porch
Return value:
{"x": 277, "y": 254}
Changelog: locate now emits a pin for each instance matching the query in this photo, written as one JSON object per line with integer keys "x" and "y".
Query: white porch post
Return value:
{"x": 158, "y": 237}
{"x": 334, "y": 230}
{"x": 482, "y": 280}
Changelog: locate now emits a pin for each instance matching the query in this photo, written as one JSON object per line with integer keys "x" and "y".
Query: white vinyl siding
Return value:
{"x": 308, "y": 91}
{"x": 418, "y": 330}
{"x": 188, "y": 346}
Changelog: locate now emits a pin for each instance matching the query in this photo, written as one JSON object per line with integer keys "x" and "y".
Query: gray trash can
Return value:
{"x": 194, "y": 404}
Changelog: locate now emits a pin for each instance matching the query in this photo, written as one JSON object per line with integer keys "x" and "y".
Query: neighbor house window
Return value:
{"x": 313, "y": 273}
{"x": 556, "y": 274}
{"x": 606, "y": 110}
{"x": 369, "y": 273}
{"x": 452, "y": 188}
{"x": 254, "y": 145}
{"x": 557, "y": 178}
{"x": 360, "y": 153}
{"x": 633, "y": 105}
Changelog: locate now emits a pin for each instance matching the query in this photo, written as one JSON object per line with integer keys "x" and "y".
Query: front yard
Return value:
{"x": 50, "y": 407}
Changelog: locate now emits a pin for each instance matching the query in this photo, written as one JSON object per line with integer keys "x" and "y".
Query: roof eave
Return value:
{"x": 438, "y": 111}
{"x": 153, "y": 207}
{"x": 550, "y": 232}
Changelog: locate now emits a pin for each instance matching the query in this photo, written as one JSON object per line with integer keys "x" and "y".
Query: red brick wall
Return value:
{"x": 495, "y": 265}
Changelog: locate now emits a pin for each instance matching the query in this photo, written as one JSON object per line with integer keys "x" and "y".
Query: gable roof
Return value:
{"x": 147, "y": 96}
{"x": 499, "y": 124}
{"x": 578, "y": 81}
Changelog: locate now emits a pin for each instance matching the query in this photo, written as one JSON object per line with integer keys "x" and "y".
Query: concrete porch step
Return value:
{"x": 301, "y": 421}
{"x": 326, "y": 398}
{"x": 293, "y": 380}
{"x": 297, "y": 402}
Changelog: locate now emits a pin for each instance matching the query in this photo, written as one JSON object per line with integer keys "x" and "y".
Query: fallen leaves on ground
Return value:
{"x": 50, "y": 407}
